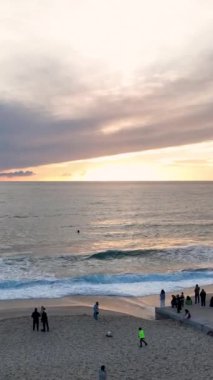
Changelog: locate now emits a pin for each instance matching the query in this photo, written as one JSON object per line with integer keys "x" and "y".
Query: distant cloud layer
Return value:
{"x": 58, "y": 103}
{"x": 19, "y": 173}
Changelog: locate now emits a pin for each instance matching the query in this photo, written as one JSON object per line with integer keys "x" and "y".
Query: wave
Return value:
{"x": 117, "y": 254}
{"x": 121, "y": 254}
{"x": 129, "y": 284}
{"x": 197, "y": 269}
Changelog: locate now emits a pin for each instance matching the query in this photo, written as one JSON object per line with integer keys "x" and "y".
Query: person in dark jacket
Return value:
{"x": 203, "y": 297}
{"x": 44, "y": 320}
{"x": 102, "y": 373}
{"x": 197, "y": 293}
{"x": 179, "y": 304}
{"x": 162, "y": 298}
{"x": 182, "y": 298}
{"x": 96, "y": 311}
{"x": 173, "y": 301}
{"x": 35, "y": 315}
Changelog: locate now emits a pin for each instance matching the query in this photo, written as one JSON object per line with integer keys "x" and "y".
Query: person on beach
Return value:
{"x": 203, "y": 297}
{"x": 197, "y": 293}
{"x": 96, "y": 311}
{"x": 141, "y": 336}
{"x": 173, "y": 301}
{"x": 162, "y": 298}
{"x": 182, "y": 299}
{"x": 211, "y": 302}
{"x": 187, "y": 314}
{"x": 102, "y": 373}
{"x": 188, "y": 300}
{"x": 44, "y": 320}
{"x": 35, "y": 315}
{"x": 178, "y": 303}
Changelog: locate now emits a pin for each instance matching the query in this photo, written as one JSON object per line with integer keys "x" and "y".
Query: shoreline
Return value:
{"x": 142, "y": 307}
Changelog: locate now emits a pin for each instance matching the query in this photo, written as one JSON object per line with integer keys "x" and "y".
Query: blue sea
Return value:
{"x": 94, "y": 238}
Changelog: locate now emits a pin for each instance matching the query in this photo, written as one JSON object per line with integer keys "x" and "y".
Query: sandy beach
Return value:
{"x": 77, "y": 346}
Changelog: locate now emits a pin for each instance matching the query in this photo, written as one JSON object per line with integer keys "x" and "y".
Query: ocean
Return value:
{"x": 104, "y": 238}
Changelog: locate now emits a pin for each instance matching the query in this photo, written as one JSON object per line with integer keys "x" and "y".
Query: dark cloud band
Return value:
{"x": 15, "y": 174}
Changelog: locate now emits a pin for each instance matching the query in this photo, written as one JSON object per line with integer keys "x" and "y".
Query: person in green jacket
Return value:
{"x": 141, "y": 336}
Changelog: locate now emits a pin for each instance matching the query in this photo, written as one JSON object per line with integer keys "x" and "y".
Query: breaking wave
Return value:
{"x": 120, "y": 254}
{"x": 129, "y": 284}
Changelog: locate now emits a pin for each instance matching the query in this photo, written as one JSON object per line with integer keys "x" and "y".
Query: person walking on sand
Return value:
{"x": 203, "y": 297}
{"x": 102, "y": 373}
{"x": 162, "y": 298}
{"x": 44, "y": 320}
{"x": 197, "y": 293}
{"x": 96, "y": 311}
{"x": 35, "y": 315}
{"x": 141, "y": 336}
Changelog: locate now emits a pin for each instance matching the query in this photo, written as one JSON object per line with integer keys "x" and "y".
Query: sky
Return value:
{"x": 106, "y": 90}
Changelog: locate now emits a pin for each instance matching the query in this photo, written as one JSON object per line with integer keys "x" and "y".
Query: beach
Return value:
{"x": 135, "y": 239}
{"x": 76, "y": 345}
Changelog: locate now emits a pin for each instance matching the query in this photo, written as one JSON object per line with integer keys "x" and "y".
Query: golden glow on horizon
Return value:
{"x": 170, "y": 164}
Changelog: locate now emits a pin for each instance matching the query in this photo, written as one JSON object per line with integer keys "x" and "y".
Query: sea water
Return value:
{"x": 114, "y": 238}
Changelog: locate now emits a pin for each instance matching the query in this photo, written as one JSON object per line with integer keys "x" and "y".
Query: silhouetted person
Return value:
{"x": 42, "y": 309}
{"x": 178, "y": 303}
{"x": 182, "y": 298}
{"x": 162, "y": 298}
{"x": 203, "y": 297}
{"x": 44, "y": 320}
{"x": 141, "y": 336}
{"x": 35, "y": 315}
{"x": 197, "y": 293}
{"x": 211, "y": 302}
{"x": 96, "y": 311}
{"x": 173, "y": 301}
{"x": 102, "y": 373}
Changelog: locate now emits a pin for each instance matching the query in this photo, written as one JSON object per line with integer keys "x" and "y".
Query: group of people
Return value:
{"x": 44, "y": 319}
{"x": 178, "y": 301}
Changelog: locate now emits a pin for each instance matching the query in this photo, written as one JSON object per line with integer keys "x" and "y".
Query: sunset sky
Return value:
{"x": 106, "y": 90}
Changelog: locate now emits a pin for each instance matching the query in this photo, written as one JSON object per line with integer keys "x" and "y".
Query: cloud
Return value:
{"x": 170, "y": 116}
{"x": 67, "y": 117}
{"x": 19, "y": 173}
